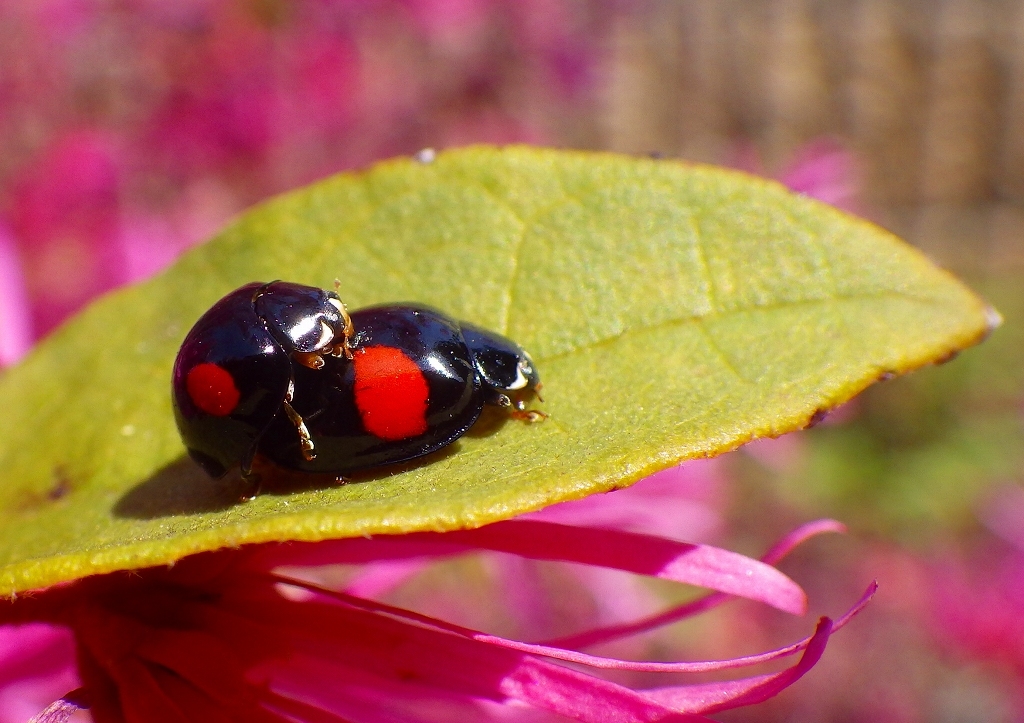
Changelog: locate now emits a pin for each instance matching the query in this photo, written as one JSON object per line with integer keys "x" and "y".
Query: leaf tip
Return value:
{"x": 993, "y": 320}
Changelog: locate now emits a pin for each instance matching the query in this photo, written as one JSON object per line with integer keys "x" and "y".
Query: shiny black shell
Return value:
{"x": 256, "y": 337}
{"x": 461, "y": 378}
{"x": 251, "y": 334}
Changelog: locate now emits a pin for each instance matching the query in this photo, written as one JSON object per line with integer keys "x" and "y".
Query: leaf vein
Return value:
{"x": 508, "y": 293}
{"x": 703, "y": 318}
{"x": 719, "y": 351}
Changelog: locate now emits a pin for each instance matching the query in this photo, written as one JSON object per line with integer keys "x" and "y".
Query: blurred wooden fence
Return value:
{"x": 928, "y": 93}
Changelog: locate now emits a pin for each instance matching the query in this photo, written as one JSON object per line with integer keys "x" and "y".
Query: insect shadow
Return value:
{"x": 183, "y": 488}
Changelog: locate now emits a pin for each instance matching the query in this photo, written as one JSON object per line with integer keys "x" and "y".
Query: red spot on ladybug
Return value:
{"x": 212, "y": 389}
{"x": 390, "y": 392}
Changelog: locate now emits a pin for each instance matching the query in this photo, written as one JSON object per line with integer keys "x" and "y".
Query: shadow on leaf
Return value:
{"x": 180, "y": 488}
{"x": 183, "y": 488}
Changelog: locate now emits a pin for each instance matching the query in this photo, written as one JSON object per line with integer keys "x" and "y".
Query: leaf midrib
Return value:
{"x": 701, "y": 318}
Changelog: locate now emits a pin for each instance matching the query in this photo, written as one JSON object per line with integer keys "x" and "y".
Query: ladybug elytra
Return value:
{"x": 284, "y": 371}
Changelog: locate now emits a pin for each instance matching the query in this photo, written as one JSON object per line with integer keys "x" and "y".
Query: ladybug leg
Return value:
{"x": 251, "y": 478}
{"x": 305, "y": 441}
{"x": 526, "y": 415}
{"x": 310, "y": 359}
{"x": 517, "y": 409}
{"x": 254, "y": 481}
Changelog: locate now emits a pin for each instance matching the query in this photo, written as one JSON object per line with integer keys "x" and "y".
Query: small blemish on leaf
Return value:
{"x": 947, "y": 357}
{"x": 29, "y": 501}
{"x": 61, "y": 487}
{"x": 817, "y": 418}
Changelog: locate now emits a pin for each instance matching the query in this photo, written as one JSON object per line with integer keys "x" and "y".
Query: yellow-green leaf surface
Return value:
{"x": 674, "y": 311}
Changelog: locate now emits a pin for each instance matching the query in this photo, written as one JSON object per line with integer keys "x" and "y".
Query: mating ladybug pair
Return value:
{"x": 282, "y": 370}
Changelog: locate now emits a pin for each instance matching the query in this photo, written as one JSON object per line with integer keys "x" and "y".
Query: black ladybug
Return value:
{"x": 283, "y": 370}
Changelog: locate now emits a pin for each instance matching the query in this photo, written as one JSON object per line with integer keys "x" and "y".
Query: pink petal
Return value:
{"x": 572, "y": 656}
{"x": 15, "y": 320}
{"x": 611, "y": 632}
{"x": 522, "y": 592}
{"x": 427, "y": 657}
{"x": 307, "y": 688}
{"x": 423, "y": 650}
{"x": 699, "y": 565}
{"x": 800, "y": 535}
{"x": 378, "y": 578}
{"x": 582, "y": 697}
{"x": 713, "y": 697}
{"x": 1003, "y": 514}
{"x": 679, "y": 503}
{"x": 37, "y": 666}
{"x": 824, "y": 170}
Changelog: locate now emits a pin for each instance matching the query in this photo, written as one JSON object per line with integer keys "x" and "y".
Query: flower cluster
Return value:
{"x": 130, "y": 132}
{"x": 246, "y": 635}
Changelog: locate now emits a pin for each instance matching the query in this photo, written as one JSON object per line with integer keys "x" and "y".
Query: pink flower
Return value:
{"x": 15, "y": 325}
{"x": 231, "y": 635}
{"x": 822, "y": 169}
{"x": 977, "y": 599}
{"x": 680, "y": 503}
{"x": 65, "y": 217}
{"x": 37, "y": 665}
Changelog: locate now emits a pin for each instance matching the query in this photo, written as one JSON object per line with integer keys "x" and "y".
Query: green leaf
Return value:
{"x": 674, "y": 311}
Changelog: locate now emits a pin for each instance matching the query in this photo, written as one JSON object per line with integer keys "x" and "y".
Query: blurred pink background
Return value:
{"x": 131, "y": 130}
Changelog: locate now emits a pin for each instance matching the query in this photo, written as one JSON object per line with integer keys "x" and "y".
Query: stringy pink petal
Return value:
{"x": 429, "y": 658}
{"x": 713, "y": 697}
{"x": 220, "y": 638}
{"x": 778, "y": 551}
{"x": 306, "y": 689}
{"x": 449, "y": 662}
{"x": 611, "y": 632}
{"x": 584, "y": 698}
{"x": 573, "y": 656}
{"x": 700, "y": 565}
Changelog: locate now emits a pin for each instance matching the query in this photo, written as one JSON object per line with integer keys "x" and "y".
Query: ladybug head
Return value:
{"x": 503, "y": 365}
{"x": 302, "y": 319}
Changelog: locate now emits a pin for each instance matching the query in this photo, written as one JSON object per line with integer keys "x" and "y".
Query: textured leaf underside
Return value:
{"x": 674, "y": 311}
